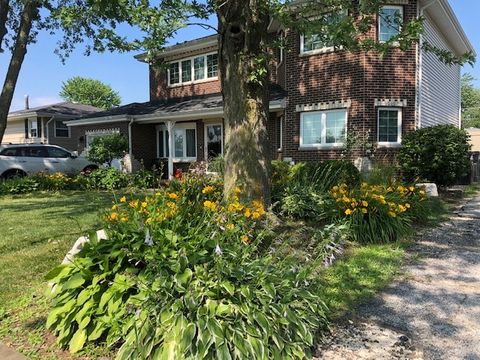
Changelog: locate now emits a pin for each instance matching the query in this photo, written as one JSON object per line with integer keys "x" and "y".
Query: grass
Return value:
{"x": 37, "y": 232}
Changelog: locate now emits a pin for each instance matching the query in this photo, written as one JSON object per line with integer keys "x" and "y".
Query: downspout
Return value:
{"x": 47, "y": 132}
{"x": 420, "y": 67}
{"x": 130, "y": 147}
{"x": 130, "y": 150}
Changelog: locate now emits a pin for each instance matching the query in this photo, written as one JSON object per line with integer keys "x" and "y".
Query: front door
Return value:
{"x": 213, "y": 140}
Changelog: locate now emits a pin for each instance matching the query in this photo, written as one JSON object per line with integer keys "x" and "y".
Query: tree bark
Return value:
{"x": 29, "y": 14}
{"x": 4, "y": 8}
{"x": 244, "y": 79}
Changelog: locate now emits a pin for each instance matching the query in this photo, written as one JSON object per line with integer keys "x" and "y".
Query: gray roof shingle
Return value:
{"x": 64, "y": 109}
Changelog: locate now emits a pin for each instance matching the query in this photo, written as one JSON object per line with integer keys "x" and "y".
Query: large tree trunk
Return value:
{"x": 244, "y": 79}
{"x": 29, "y": 14}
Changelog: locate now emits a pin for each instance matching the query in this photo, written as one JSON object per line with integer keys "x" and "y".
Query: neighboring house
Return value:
{"x": 319, "y": 95}
{"x": 46, "y": 124}
{"x": 474, "y": 138}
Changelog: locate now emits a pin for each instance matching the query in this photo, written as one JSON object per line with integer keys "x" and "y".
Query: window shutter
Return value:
{"x": 26, "y": 129}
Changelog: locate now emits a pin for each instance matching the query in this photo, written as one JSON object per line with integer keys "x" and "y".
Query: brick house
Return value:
{"x": 46, "y": 124}
{"x": 319, "y": 95}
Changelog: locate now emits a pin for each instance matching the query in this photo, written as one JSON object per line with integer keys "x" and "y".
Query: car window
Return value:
{"x": 36, "y": 151}
{"x": 58, "y": 153}
{"x": 10, "y": 152}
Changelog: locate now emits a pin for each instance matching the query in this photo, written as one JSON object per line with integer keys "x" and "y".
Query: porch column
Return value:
{"x": 171, "y": 147}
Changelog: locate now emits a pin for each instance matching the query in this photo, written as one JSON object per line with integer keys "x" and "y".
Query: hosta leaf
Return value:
{"x": 184, "y": 278}
{"x": 52, "y": 274}
{"x": 74, "y": 282}
{"x": 97, "y": 331}
{"x": 77, "y": 341}
{"x": 222, "y": 352}
{"x": 228, "y": 286}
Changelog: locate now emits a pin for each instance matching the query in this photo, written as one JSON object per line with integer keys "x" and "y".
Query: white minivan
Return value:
{"x": 21, "y": 160}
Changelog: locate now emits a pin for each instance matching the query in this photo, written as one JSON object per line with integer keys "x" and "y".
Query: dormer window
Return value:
{"x": 191, "y": 70}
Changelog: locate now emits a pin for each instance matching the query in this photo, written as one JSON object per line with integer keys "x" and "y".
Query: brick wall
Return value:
{"x": 341, "y": 75}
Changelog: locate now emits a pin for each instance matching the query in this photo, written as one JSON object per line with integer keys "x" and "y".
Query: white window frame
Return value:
{"x": 399, "y": 127}
{"x": 325, "y": 49}
{"x": 323, "y": 119}
{"x": 30, "y": 128}
{"x": 55, "y": 130}
{"x": 393, "y": 7}
{"x": 178, "y": 126}
{"x": 192, "y": 70}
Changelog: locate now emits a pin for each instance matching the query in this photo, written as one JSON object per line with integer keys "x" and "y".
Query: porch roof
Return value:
{"x": 179, "y": 109}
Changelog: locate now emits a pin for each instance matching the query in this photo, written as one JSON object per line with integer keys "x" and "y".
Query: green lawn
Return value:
{"x": 36, "y": 233}
{"x": 37, "y": 230}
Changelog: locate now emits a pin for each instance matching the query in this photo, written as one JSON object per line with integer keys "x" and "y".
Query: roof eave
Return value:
{"x": 99, "y": 120}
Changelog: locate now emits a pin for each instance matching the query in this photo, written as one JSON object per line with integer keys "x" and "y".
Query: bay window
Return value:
{"x": 197, "y": 68}
{"x": 184, "y": 142}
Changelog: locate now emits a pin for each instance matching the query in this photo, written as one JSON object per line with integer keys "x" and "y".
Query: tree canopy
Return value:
{"x": 470, "y": 102}
{"x": 90, "y": 92}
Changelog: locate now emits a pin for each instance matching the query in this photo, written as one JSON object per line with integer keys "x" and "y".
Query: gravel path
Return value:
{"x": 433, "y": 312}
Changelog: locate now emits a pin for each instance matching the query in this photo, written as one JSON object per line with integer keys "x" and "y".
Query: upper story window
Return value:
{"x": 389, "y": 126}
{"x": 390, "y": 19}
{"x": 198, "y": 68}
{"x": 316, "y": 43}
{"x": 323, "y": 128}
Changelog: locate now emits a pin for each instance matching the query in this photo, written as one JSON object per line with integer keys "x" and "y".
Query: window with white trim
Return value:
{"x": 184, "y": 142}
{"x": 61, "y": 129}
{"x": 390, "y": 19}
{"x": 323, "y": 128}
{"x": 389, "y": 126}
{"x": 313, "y": 43}
{"x": 33, "y": 128}
{"x": 194, "y": 69}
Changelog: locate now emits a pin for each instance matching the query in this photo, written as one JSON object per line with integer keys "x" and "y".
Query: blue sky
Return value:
{"x": 42, "y": 72}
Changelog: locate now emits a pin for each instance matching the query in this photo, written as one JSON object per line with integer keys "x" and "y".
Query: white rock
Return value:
{"x": 101, "y": 235}
{"x": 430, "y": 189}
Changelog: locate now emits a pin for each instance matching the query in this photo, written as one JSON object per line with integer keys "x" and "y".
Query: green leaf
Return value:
{"x": 52, "y": 274}
{"x": 97, "y": 331}
{"x": 222, "y": 352}
{"x": 77, "y": 341}
{"x": 184, "y": 278}
{"x": 74, "y": 282}
{"x": 228, "y": 286}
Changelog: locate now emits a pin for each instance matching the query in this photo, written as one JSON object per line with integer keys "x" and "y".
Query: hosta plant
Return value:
{"x": 181, "y": 276}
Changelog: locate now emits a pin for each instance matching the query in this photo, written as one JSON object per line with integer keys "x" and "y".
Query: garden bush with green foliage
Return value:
{"x": 378, "y": 213}
{"x": 301, "y": 190}
{"x": 105, "y": 149}
{"x": 437, "y": 154}
{"x": 183, "y": 275}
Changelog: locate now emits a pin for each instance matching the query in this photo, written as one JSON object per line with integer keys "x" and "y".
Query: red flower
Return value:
{"x": 178, "y": 174}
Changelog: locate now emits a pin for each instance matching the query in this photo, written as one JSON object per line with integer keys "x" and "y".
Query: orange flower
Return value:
{"x": 245, "y": 239}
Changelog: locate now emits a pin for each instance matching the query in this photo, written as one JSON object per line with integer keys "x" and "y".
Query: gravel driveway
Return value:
{"x": 433, "y": 312}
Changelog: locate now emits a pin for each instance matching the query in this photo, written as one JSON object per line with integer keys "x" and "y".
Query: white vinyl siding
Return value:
{"x": 439, "y": 101}
{"x": 15, "y": 132}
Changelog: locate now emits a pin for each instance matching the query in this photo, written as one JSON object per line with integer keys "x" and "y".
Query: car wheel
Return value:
{"x": 88, "y": 170}
{"x": 13, "y": 174}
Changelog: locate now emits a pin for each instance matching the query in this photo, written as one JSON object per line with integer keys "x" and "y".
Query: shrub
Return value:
{"x": 106, "y": 148}
{"x": 147, "y": 179}
{"x": 438, "y": 154}
{"x": 181, "y": 276}
{"x": 301, "y": 190}
{"x": 107, "y": 179}
{"x": 377, "y": 213}
{"x": 19, "y": 186}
